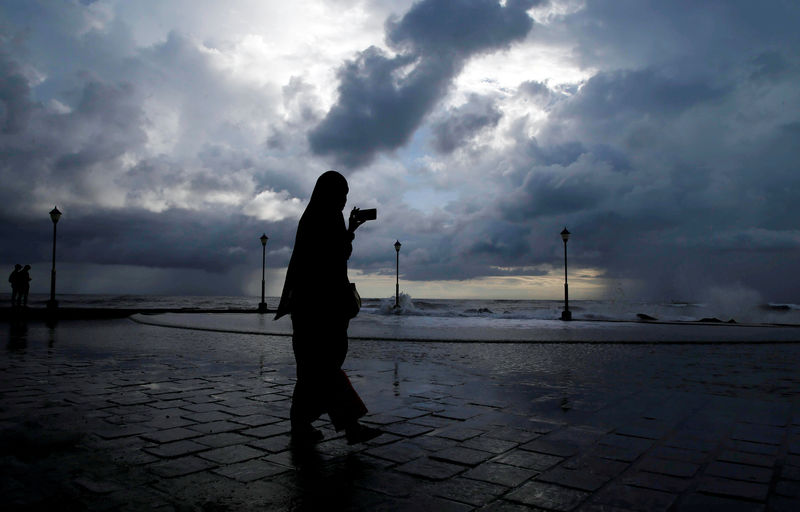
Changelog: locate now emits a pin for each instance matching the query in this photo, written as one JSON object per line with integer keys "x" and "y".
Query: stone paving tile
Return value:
{"x": 389, "y": 483}
{"x": 206, "y": 417}
{"x": 575, "y": 479}
{"x": 788, "y": 488}
{"x": 657, "y": 482}
{"x": 271, "y": 444}
{"x": 489, "y": 444}
{"x": 431, "y": 421}
{"x": 251, "y": 470}
{"x": 428, "y": 406}
{"x": 402, "y": 451}
{"x": 117, "y": 431}
{"x": 547, "y": 496}
{"x": 256, "y": 420}
{"x": 503, "y": 505}
{"x": 636, "y": 444}
{"x": 382, "y": 419}
{"x": 169, "y": 435}
{"x": 556, "y": 448}
{"x": 759, "y": 448}
{"x": 739, "y": 472}
{"x": 131, "y": 399}
{"x": 594, "y": 465}
{"x": 223, "y": 439}
{"x": 502, "y": 474}
{"x": 516, "y": 435}
{"x": 422, "y": 503}
{"x": 626, "y": 497}
{"x": 672, "y": 453}
{"x": 176, "y": 449}
{"x": 790, "y": 472}
{"x": 763, "y": 434}
{"x": 429, "y": 468}
{"x": 215, "y": 427}
{"x": 408, "y": 412}
{"x": 459, "y": 413}
{"x": 181, "y": 467}
{"x": 528, "y": 460}
{"x": 385, "y": 438}
{"x": 432, "y": 443}
{"x": 462, "y": 455}
{"x": 266, "y": 430}
{"x": 202, "y": 407}
{"x": 697, "y": 502}
{"x": 243, "y": 410}
{"x": 457, "y": 433}
{"x": 164, "y": 420}
{"x": 471, "y": 492}
{"x": 781, "y": 504}
{"x": 406, "y": 429}
{"x": 231, "y": 454}
{"x": 668, "y": 467}
{"x": 733, "y": 488}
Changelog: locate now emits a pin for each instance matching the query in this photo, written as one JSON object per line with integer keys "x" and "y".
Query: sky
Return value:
{"x": 171, "y": 134}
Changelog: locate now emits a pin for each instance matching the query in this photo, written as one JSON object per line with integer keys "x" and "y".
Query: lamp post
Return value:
{"x": 397, "y": 246}
{"x": 262, "y": 306}
{"x": 566, "y": 314}
{"x": 53, "y": 303}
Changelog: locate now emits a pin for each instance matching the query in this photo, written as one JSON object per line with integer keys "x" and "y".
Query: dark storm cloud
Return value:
{"x": 700, "y": 201}
{"x": 458, "y": 125}
{"x": 383, "y": 99}
{"x": 176, "y": 238}
{"x": 14, "y": 96}
{"x": 620, "y": 93}
{"x": 62, "y": 150}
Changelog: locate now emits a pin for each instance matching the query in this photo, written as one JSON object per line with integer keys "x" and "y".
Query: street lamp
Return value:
{"x": 566, "y": 314}
{"x": 262, "y": 306}
{"x": 53, "y": 303}
{"x": 397, "y": 246}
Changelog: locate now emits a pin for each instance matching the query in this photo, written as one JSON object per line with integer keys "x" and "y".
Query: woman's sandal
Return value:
{"x": 361, "y": 434}
{"x": 307, "y": 435}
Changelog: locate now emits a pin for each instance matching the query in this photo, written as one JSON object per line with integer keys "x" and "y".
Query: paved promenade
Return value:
{"x": 114, "y": 415}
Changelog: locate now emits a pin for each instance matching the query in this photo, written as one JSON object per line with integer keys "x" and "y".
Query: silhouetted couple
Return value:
{"x": 319, "y": 298}
{"x": 20, "y": 280}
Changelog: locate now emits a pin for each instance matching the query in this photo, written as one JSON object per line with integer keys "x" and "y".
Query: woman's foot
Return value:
{"x": 306, "y": 435}
{"x": 360, "y": 433}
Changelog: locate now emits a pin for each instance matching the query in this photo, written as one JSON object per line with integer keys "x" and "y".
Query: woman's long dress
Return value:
{"x": 315, "y": 287}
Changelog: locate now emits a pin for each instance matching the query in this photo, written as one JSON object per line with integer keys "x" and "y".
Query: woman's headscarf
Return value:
{"x": 330, "y": 188}
{"x": 318, "y": 264}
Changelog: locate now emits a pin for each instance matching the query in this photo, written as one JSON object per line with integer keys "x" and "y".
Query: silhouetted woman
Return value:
{"x": 315, "y": 293}
{"x": 23, "y": 285}
{"x": 14, "y": 280}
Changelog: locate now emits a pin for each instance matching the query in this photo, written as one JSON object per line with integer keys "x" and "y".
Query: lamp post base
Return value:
{"x": 566, "y": 315}
{"x": 262, "y": 307}
{"x": 52, "y": 304}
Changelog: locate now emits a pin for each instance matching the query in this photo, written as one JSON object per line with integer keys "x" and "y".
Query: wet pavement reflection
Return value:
{"x": 118, "y": 415}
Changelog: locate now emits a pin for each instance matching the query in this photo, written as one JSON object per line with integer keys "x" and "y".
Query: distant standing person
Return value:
{"x": 14, "y": 283}
{"x": 315, "y": 293}
{"x": 23, "y": 285}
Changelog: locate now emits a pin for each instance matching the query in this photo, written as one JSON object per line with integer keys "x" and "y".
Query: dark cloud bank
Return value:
{"x": 676, "y": 164}
{"x": 383, "y": 99}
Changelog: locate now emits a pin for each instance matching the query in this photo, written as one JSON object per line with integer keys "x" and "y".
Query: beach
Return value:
{"x": 115, "y": 414}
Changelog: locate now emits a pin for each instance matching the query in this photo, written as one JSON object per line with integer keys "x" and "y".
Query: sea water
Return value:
{"x": 453, "y": 309}
{"x": 478, "y": 320}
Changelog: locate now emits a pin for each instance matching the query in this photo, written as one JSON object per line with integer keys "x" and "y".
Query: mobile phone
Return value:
{"x": 369, "y": 214}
